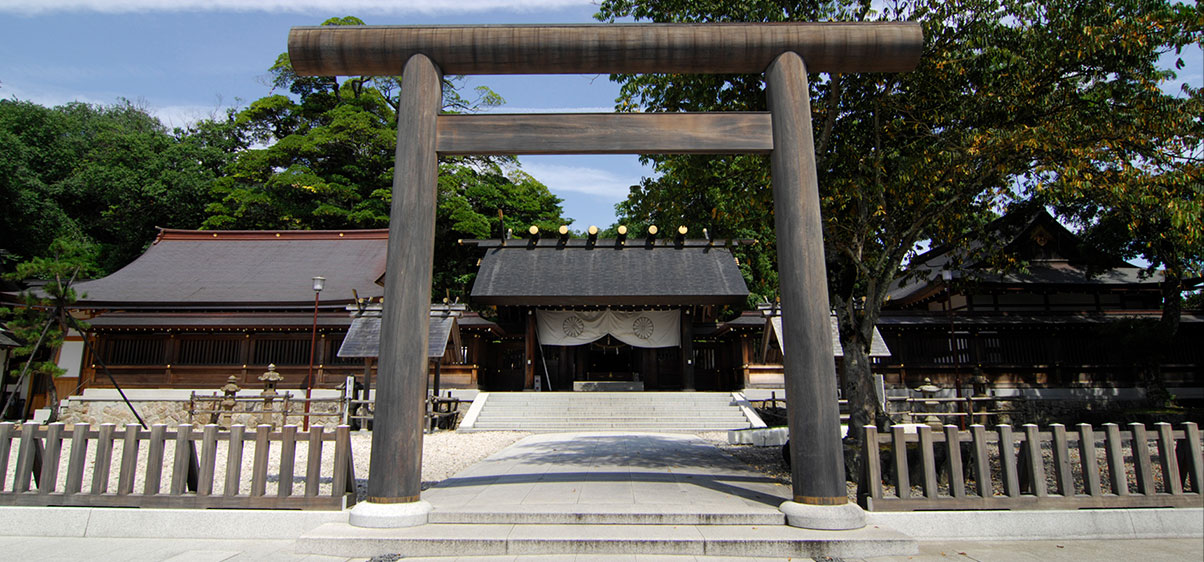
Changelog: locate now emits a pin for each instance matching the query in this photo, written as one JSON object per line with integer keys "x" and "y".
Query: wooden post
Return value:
{"x": 687, "y": 350}
{"x": 395, "y": 473}
{"x": 817, "y": 459}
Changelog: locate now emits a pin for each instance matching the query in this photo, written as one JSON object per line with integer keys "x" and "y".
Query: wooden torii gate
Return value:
{"x": 784, "y": 52}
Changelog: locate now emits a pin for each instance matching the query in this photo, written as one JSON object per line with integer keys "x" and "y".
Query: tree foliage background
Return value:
{"x": 1011, "y": 100}
{"x": 315, "y": 153}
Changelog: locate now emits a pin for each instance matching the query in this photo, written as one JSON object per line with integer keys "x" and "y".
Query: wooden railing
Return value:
{"x": 194, "y": 482}
{"x": 1053, "y": 469}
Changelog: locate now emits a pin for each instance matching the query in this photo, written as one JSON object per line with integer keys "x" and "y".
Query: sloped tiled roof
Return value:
{"x": 608, "y": 274}
{"x": 186, "y": 268}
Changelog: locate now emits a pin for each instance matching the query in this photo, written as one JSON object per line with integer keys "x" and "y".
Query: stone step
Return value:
{"x": 604, "y": 427}
{"x": 439, "y": 539}
{"x": 611, "y": 415}
{"x": 599, "y": 514}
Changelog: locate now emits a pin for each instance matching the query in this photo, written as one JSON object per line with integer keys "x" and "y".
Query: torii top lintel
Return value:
{"x": 719, "y": 48}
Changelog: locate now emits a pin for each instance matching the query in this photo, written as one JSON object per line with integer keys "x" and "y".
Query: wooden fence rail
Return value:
{"x": 194, "y": 478}
{"x": 1033, "y": 469}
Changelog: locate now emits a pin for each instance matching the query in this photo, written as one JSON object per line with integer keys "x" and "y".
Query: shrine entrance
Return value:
{"x": 784, "y": 52}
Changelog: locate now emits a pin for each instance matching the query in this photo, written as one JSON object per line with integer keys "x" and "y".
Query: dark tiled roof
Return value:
{"x": 237, "y": 268}
{"x": 1055, "y": 258}
{"x": 608, "y": 275}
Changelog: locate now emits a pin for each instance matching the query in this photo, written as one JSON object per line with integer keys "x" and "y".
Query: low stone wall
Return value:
{"x": 171, "y": 408}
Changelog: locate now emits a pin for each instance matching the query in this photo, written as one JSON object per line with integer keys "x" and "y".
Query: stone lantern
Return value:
{"x": 929, "y": 390}
{"x": 226, "y": 406}
{"x": 270, "y": 379}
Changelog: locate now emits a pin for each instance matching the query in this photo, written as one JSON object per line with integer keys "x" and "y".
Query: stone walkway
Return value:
{"x": 658, "y": 478}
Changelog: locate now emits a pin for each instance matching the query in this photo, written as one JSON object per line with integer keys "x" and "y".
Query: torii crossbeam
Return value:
{"x": 785, "y": 52}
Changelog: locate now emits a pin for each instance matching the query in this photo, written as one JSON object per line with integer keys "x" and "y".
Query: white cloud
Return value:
{"x": 426, "y": 7}
{"x": 582, "y": 179}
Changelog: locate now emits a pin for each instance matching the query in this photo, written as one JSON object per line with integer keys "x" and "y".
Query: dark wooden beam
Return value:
{"x": 605, "y": 133}
{"x": 728, "y": 48}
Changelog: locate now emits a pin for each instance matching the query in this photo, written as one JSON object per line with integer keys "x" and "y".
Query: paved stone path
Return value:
{"x": 620, "y": 474}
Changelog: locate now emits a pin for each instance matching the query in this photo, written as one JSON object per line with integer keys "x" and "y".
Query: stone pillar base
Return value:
{"x": 390, "y": 515}
{"x": 845, "y": 517}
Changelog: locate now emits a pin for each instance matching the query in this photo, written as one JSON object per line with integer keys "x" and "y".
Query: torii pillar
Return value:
{"x": 421, "y": 53}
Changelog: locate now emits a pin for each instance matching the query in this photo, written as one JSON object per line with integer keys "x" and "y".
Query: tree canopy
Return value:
{"x": 321, "y": 157}
{"x": 1007, "y": 93}
{"x": 106, "y": 174}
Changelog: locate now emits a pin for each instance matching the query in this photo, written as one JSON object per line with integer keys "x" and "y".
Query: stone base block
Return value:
{"x": 844, "y": 517}
{"x": 390, "y": 515}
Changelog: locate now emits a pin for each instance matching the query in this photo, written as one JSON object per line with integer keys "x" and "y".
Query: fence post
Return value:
{"x": 982, "y": 466}
{"x": 1195, "y": 457}
{"x": 873, "y": 464}
{"x": 234, "y": 461}
{"x": 183, "y": 459}
{"x": 1036, "y": 461}
{"x": 79, "y": 457}
{"x": 1090, "y": 461}
{"x": 129, "y": 460}
{"x": 259, "y": 469}
{"x": 928, "y": 462}
{"x": 1007, "y": 461}
{"x": 1166, "y": 455}
{"x": 104, "y": 459}
{"x": 1141, "y": 457}
{"x": 208, "y": 460}
{"x": 1116, "y": 459}
{"x": 154, "y": 459}
{"x": 50, "y": 464}
{"x": 313, "y": 462}
{"x": 288, "y": 455}
{"x": 902, "y": 475}
{"x": 1061, "y": 458}
{"x": 6, "y": 439}
{"x": 953, "y": 456}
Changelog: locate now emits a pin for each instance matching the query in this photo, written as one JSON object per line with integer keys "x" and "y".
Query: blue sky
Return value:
{"x": 187, "y": 59}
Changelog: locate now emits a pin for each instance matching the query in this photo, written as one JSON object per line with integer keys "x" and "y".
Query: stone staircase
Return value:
{"x": 564, "y": 540}
{"x": 609, "y": 411}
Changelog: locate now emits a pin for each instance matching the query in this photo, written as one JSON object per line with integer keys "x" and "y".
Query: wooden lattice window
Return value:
{"x": 134, "y": 350}
{"x": 210, "y": 351}
{"x": 282, "y": 351}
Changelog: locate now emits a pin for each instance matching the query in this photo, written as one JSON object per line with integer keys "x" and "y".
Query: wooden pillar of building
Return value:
{"x": 395, "y": 470}
{"x": 529, "y": 352}
{"x": 687, "y": 350}
{"x": 817, "y": 459}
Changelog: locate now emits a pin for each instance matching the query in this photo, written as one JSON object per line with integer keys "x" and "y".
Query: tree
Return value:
{"x": 322, "y": 158}
{"x": 1001, "y": 93}
{"x": 109, "y": 174}
{"x": 41, "y": 317}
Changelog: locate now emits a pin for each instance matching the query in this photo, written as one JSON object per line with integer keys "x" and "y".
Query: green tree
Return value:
{"x": 110, "y": 174}
{"x": 1001, "y": 94}
{"x": 40, "y": 319}
{"x": 321, "y": 157}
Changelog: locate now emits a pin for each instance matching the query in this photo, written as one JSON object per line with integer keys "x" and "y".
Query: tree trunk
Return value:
{"x": 1157, "y": 395}
{"x": 856, "y": 330}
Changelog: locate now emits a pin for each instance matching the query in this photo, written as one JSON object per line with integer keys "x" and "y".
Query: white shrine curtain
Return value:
{"x": 640, "y": 328}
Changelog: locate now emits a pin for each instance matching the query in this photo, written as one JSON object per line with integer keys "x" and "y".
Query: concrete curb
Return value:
{"x": 111, "y": 522}
{"x": 1045, "y": 525}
